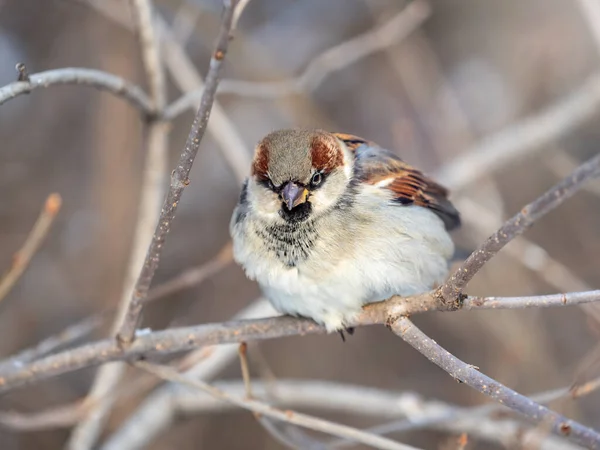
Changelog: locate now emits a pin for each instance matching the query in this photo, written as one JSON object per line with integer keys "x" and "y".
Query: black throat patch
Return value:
{"x": 291, "y": 242}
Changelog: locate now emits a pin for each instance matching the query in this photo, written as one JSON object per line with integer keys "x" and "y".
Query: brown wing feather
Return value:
{"x": 374, "y": 164}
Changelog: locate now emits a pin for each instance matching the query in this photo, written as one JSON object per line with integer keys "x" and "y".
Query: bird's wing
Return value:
{"x": 382, "y": 168}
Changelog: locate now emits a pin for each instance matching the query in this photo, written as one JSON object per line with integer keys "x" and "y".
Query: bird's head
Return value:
{"x": 297, "y": 174}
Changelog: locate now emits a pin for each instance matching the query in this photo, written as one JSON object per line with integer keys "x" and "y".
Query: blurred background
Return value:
{"x": 464, "y": 73}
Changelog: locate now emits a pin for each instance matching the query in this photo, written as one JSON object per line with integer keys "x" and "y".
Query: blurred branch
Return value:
{"x": 451, "y": 290}
{"x": 155, "y": 414}
{"x": 187, "y": 279}
{"x": 86, "y": 77}
{"x": 85, "y": 434}
{"x": 194, "y": 276}
{"x": 33, "y": 242}
{"x": 285, "y": 434}
{"x": 561, "y": 163}
{"x": 467, "y": 374}
{"x": 237, "y": 14}
{"x": 320, "y": 67}
{"x": 66, "y": 337}
{"x": 179, "y": 180}
{"x": 326, "y": 396}
{"x": 334, "y": 397}
{"x": 187, "y": 78}
{"x": 456, "y": 417}
{"x": 524, "y": 138}
{"x": 288, "y": 416}
{"x": 590, "y": 11}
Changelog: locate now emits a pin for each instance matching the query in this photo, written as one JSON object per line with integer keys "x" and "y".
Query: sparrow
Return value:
{"x": 328, "y": 222}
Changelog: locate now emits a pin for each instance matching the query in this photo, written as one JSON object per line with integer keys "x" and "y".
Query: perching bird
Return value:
{"x": 329, "y": 222}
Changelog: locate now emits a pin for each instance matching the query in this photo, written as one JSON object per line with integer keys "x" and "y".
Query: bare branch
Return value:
{"x": 85, "y": 77}
{"x": 187, "y": 78}
{"x": 590, "y": 11}
{"x": 64, "y": 338}
{"x": 179, "y": 180}
{"x": 320, "y": 67}
{"x": 288, "y": 416}
{"x": 538, "y": 301}
{"x": 190, "y": 277}
{"x": 151, "y": 52}
{"x": 432, "y": 420}
{"x": 176, "y": 340}
{"x": 516, "y": 226}
{"x": 369, "y": 402}
{"x": 286, "y": 434}
{"x": 467, "y": 374}
{"x": 221, "y": 127}
{"x": 33, "y": 242}
{"x": 194, "y": 276}
{"x": 524, "y": 138}
{"x": 155, "y": 413}
{"x": 238, "y": 12}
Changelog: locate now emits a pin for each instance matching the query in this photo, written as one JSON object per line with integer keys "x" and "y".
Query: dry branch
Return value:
{"x": 176, "y": 340}
{"x": 179, "y": 180}
{"x": 85, "y": 77}
{"x": 335, "y": 397}
{"x": 320, "y": 67}
{"x": 33, "y": 242}
{"x": 48, "y": 345}
{"x": 467, "y": 374}
{"x": 516, "y": 226}
{"x": 288, "y": 416}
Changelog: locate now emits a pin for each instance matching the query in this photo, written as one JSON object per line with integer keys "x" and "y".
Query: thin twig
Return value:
{"x": 467, "y": 374}
{"x": 85, "y": 77}
{"x": 179, "y": 180}
{"x": 154, "y": 411}
{"x": 33, "y": 242}
{"x": 323, "y": 65}
{"x": 291, "y": 437}
{"x": 64, "y": 338}
{"x": 516, "y": 226}
{"x": 194, "y": 276}
{"x": 288, "y": 416}
{"x": 86, "y": 433}
{"x": 187, "y": 279}
{"x": 176, "y": 340}
{"x": 221, "y": 128}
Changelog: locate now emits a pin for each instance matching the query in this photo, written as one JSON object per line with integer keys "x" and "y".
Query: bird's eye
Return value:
{"x": 316, "y": 179}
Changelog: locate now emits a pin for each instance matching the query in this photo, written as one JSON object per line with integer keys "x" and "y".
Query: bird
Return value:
{"x": 329, "y": 222}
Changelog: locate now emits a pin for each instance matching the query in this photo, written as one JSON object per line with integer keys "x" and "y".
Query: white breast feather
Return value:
{"x": 361, "y": 258}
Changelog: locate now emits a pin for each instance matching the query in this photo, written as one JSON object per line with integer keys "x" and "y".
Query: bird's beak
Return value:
{"x": 293, "y": 195}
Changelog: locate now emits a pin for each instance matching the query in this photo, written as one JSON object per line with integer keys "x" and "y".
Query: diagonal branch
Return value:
{"x": 35, "y": 239}
{"x": 179, "y": 180}
{"x": 323, "y": 65}
{"x": 451, "y": 290}
{"x": 467, "y": 374}
{"x": 288, "y": 416}
{"x": 85, "y": 77}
